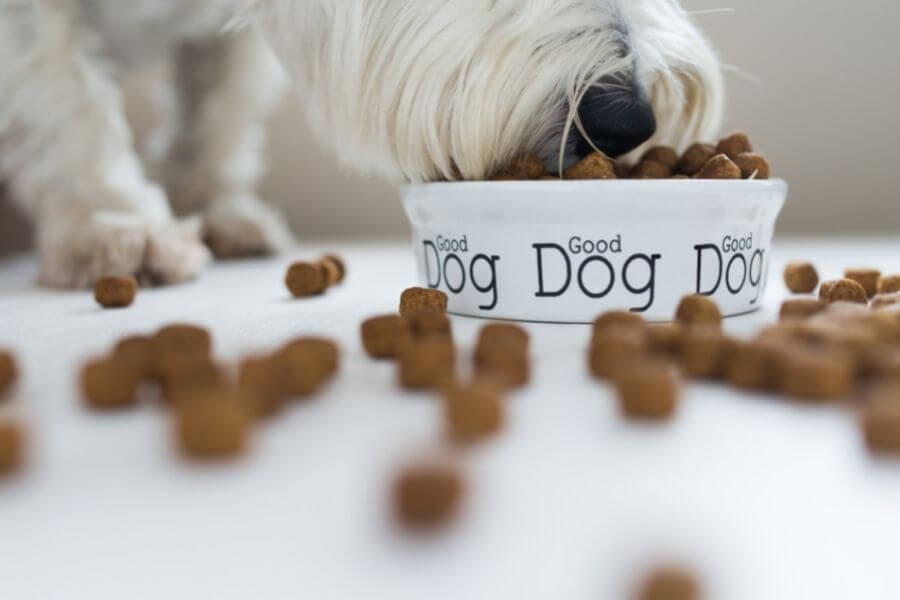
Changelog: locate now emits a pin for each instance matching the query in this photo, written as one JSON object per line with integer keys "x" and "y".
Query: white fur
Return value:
{"x": 411, "y": 90}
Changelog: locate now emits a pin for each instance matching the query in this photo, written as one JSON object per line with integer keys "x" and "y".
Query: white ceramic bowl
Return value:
{"x": 565, "y": 251}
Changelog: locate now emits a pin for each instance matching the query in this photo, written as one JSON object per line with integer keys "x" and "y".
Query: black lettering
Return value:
{"x": 492, "y": 286}
{"x": 612, "y": 277}
{"x": 651, "y": 280}
{"x": 542, "y": 293}
{"x": 700, "y": 249}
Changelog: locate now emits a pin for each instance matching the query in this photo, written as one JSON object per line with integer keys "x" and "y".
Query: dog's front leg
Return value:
{"x": 227, "y": 86}
{"x": 66, "y": 150}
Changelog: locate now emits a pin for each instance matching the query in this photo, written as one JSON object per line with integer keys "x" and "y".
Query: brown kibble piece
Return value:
{"x": 816, "y": 375}
{"x": 881, "y": 419}
{"x": 305, "y": 279}
{"x": 647, "y": 390}
{"x": 664, "y": 155}
{"x": 734, "y": 145}
{"x": 12, "y": 448}
{"x": 751, "y": 365}
{"x": 473, "y": 411}
{"x": 182, "y": 339}
{"x": 426, "y": 363}
{"x": 260, "y": 386}
{"x": 382, "y": 336}
{"x": 670, "y": 583}
{"x": 698, "y": 310}
{"x": 885, "y": 300}
{"x": 593, "y": 166}
{"x": 9, "y": 372}
{"x": 664, "y": 338}
{"x": 524, "y": 167}
{"x": 801, "y": 277}
{"x": 622, "y": 169}
{"x": 107, "y": 384}
{"x": 648, "y": 169}
{"x": 179, "y": 373}
{"x": 338, "y": 263}
{"x": 843, "y": 290}
{"x": 212, "y": 427}
{"x": 867, "y": 278}
{"x": 427, "y": 496}
{"x": 801, "y": 308}
{"x": 704, "y": 351}
{"x": 506, "y": 363}
{"x": 330, "y": 271}
{"x": 422, "y": 323}
{"x": 325, "y": 352}
{"x": 752, "y": 165}
{"x": 719, "y": 167}
{"x": 889, "y": 284}
{"x": 115, "y": 292}
{"x": 136, "y": 354}
{"x": 613, "y": 349}
{"x": 619, "y": 318}
{"x": 503, "y": 333}
{"x": 415, "y": 299}
{"x": 694, "y": 158}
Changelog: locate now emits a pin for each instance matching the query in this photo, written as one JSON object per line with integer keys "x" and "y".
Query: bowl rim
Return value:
{"x": 718, "y": 185}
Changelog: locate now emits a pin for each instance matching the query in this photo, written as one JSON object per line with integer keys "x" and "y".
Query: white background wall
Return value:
{"x": 821, "y": 98}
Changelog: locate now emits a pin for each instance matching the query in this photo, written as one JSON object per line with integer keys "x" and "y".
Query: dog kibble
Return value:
{"x": 416, "y": 299}
{"x": 753, "y": 165}
{"x": 889, "y": 284}
{"x": 881, "y": 419}
{"x": 181, "y": 339}
{"x": 698, "y": 310}
{"x": 800, "y": 308}
{"x": 12, "y": 447}
{"x": 694, "y": 158}
{"x": 107, "y": 384}
{"x": 816, "y": 375}
{"x": 135, "y": 353}
{"x": 664, "y": 338}
{"x": 473, "y": 411}
{"x": 648, "y": 169}
{"x": 734, "y": 145}
{"x": 8, "y": 372}
{"x": 339, "y": 265}
{"x": 615, "y": 319}
{"x": 885, "y": 300}
{"x": 305, "y": 279}
{"x": 704, "y": 351}
{"x": 324, "y": 352}
{"x": 751, "y": 365}
{"x": 507, "y": 364}
{"x": 115, "y": 292}
{"x": 428, "y": 322}
{"x": 382, "y": 336}
{"x": 212, "y": 428}
{"x": 719, "y": 167}
{"x": 503, "y": 333}
{"x": 670, "y": 583}
{"x": 801, "y": 277}
{"x": 664, "y": 155}
{"x": 867, "y": 278}
{"x": 427, "y": 496}
{"x": 524, "y": 167}
{"x": 330, "y": 272}
{"x": 843, "y": 290}
{"x": 614, "y": 349}
{"x": 259, "y": 386}
{"x": 647, "y": 390}
{"x": 426, "y": 363}
{"x": 593, "y": 166}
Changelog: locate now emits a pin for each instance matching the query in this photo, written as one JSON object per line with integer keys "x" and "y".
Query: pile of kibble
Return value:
{"x": 732, "y": 158}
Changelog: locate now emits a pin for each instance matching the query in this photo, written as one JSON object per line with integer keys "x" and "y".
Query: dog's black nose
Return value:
{"x": 617, "y": 119}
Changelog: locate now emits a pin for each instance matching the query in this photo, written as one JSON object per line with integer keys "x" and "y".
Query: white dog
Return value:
{"x": 411, "y": 90}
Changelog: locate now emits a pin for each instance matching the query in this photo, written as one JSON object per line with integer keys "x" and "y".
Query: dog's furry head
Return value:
{"x": 420, "y": 90}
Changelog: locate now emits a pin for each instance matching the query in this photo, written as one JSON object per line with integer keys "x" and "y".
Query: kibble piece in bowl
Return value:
{"x": 694, "y": 158}
{"x": 524, "y": 167}
{"x": 427, "y": 496}
{"x": 868, "y": 278}
{"x": 753, "y": 165}
{"x": 664, "y": 155}
{"x": 719, "y": 167}
{"x": 593, "y": 166}
{"x": 843, "y": 290}
{"x": 417, "y": 299}
{"x": 649, "y": 169}
{"x": 801, "y": 277}
{"x": 734, "y": 145}
{"x": 889, "y": 284}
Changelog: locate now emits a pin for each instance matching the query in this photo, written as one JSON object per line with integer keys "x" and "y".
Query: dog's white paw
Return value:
{"x": 75, "y": 253}
{"x": 245, "y": 226}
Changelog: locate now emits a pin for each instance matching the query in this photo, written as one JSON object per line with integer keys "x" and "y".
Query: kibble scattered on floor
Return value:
{"x": 801, "y": 277}
{"x": 428, "y": 496}
{"x": 9, "y": 372}
{"x": 669, "y": 583}
{"x": 115, "y": 292}
{"x": 306, "y": 279}
{"x": 12, "y": 447}
{"x": 417, "y": 299}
